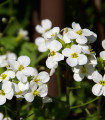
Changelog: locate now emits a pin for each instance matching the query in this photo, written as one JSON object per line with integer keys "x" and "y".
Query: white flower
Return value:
{"x": 52, "y": 34}
{"x": 92, "y": 38}
{"x": 45, "y": 26}
{"x": 6, "y": 92}
{"x": 46, "y": 99}
{"x": 1, "y": 116}
{"x": 23, "y": 34}
{"x": 20, "y": 89}
{"x": 20, "y": 66}
{"x": 66, "y": 37}
{"x": 54, "y": 55}
{"x": 41, "y": 91}
{"x": 41, "y": 43}
{"x": 81, "y": 71}
{"x": 7, "y": 75}
{"x": 99, "y": 88}
{"x": 85, "y": 49}
{"x": 79, "y": 34}
{"x": 93, "y": 60}
{"x": 42, "y": 77}
{"x": 74, "y": 56}
{"x": 103, "y": 44}
{"x": 102, "y": 54}
{"x": 7, "y": 118}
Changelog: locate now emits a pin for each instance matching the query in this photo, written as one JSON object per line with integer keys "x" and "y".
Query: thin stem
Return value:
{"x": 67, "y": 86}
{"x": 87, "y": 111}
{"x": 98, "y": 109}
{"x": 18, "y": 109}
{"x": 4, "y": 3}
{"x": 58, "y": 81}
{"x": 84, "y": 104}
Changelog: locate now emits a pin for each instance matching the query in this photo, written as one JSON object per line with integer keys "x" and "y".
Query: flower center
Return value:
{"x": 36, "y": 80}
{"x": 2, "y": 92}
{"x": 102, "y": 83}
{"x": 20, "y": 68}
{"x": 53, "y": 35}
{"x": 19, "y": 93}
{"x": 46, "y": 30}
{"x": 35, "y": 92}
{"x": 74, "y": 55}
{"x": 3, "y": 76}
{"x": 79, "y": 32}
{"x": 83, "y": 70}
{"x": 52, "y": 53}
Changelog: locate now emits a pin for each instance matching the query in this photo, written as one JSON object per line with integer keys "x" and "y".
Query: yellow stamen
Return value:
{"x": 20, "y": 68}
{"x": 35, "y": 92}
{"x": 79, "y": 32}
{"x": 2, "y": 92}
{"x": 52, "y": 53}
{"x": 36, "y": 80}
{"x": 3, "y": 76}
{"x": 102, "y": 83}
{"x": 74, "y": 55}
{"x": 19, "y": 93}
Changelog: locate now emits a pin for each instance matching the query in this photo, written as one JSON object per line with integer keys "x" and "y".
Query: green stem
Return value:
{"x": 84, "y": 104}
{"x": 58, "y": 81}
{"x": 87, "y": 111}
{"x": 67, "y": 87}
{"x": 18, "y": 109}
{"x": 4, "y": 3}
{"x": 98, "y": 110}
{"x": 42, "y": 56}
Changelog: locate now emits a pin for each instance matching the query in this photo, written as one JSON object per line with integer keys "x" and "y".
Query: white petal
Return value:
{"x": 97, "y": 89}
{"x": 96, "y": 76}
{"x": 39, "y": 29}
{"x": 78, "y": 77}
{"x": 50, "y": 63}
{"x": 76, "y": 69}
{"x": 33, "y": 86}
{"x": 82, "y": 59}
{"x": 7, "y": 86}
{"x": 14, "y": 65}
{"x": 76, "y": 48}
{"x": 24, "y": 60}
{"x": 47, "y": 24}
{"x": 46, "y": 100}
{"x": 86, "y": 32}
{"x": 44, "y": 77}
{"x": 11, "y": 74}
{"x": 39, "y": 41}
{"x": 29, "y": 71}
{"x": 23, "y": 86}
{"x": 102, "y": 54}
{"x": 71, "y": 62}
{"x": 55, "y": 45}
{"x": 72, "y": 35}
{"x": 103, "y": 44}
{"x": 43, "y": 90}
{"x": 58, "y": 57}
{"x": 7, "y": 118}
{"x": 66, "y": 52}
{"x": 76, "y": 26}
{"x": 29, "y": 97}
{"x": 1, "y": 116}
{"x": 9, "y": 95}
{"x": 55, "y": 30}
{"x": 11, "y": 56}
{"x": 20, "y": 76}
{"x": 81, "y": 40}
{"x": 66, "y": 38}
{"x": 42, "y": 48}
{"x": 92, "y": 38}
{"x": 2, "y": 100}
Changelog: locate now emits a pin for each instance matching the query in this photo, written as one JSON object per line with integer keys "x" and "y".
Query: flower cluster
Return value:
{"x": 70, "y": 43}
{"x": 20, "y": 80}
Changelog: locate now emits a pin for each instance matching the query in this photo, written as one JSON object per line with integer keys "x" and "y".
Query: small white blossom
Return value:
{"x": 45, "y": 26}
{"x": 23, "y": 34}
{"x": 79, "y": 34}
{"x": 74, "y": 56}
{"x": 99, "y": 88}
{"x": 6, "y": 92}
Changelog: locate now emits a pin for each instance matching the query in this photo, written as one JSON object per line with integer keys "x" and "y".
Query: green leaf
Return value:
{"x": 8, "y": 42}
{"x": 30, "y": 50}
